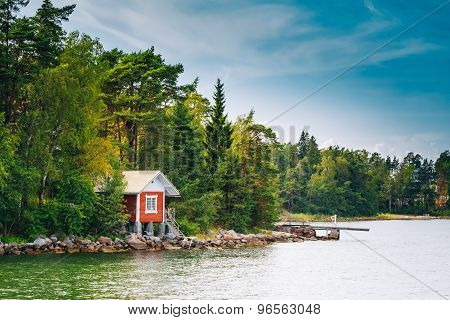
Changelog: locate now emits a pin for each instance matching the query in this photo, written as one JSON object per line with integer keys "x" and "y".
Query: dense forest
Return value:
{"x": 74, "y": 115}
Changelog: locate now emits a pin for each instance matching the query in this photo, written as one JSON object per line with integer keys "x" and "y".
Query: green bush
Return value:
{"x": 442, "y": 213}
{"x": 109, "y": 214}
{"x": 55, "y": 217}
{"x": 202, "y": 210}
{"x": 189, "y": 228}
{"x": 11, "y": 239}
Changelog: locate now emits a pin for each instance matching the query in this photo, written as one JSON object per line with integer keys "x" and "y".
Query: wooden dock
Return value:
{"x": 317, "y": 227}
{"x": 331, "y": 231}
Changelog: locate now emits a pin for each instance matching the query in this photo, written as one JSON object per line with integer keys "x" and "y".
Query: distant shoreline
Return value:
{"x": 379, "y": 217}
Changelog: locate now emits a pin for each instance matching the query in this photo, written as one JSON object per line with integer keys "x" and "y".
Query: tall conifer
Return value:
{"x": 218, "y": 130}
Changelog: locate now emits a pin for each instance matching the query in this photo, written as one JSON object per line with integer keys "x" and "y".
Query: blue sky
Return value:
{"x": 272, "y": 54}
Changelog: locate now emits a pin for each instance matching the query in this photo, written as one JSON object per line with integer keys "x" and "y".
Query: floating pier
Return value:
{"x": 332, "y": 231}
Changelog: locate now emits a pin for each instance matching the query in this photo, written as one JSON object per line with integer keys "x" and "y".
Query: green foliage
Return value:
{"x": 134, "y": 88}
{"x": 12, "y": 239}
{"x": 108, "y": 214}
{"x": 350, "y": 183}
{"x": 257, "y": 182}
{"x": 72, "y": 116}
{"x": 218, "y": 130}
{"x": 54, "y": 217}
{"x": 186, "y": 161}
{"x": 443, "y": 181}
{"x": 202, "y": 211}
{"x": 188, "y": 227}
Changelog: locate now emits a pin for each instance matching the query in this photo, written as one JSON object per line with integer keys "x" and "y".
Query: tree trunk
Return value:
{"x": 131, "y": 127}
{"x": 42, "y": 189}
{"x": 135, "y": 137}
{"x": 43, "y": 184}
{"x": 119, "y": 138}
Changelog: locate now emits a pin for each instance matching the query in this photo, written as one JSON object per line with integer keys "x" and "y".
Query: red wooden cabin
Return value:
{"x": 146, "y": 196}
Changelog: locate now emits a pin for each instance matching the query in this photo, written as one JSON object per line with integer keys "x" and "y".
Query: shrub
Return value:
{"x": 189, "y": 228}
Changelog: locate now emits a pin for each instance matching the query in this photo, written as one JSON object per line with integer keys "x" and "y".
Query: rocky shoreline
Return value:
{"x": 223, "y": 240}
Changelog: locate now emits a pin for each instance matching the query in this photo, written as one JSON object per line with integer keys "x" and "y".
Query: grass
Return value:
{"x": 305, "y": 217}
{"x": 11, "y": 239}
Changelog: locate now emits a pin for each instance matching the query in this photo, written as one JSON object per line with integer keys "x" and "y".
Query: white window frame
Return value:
{"x": 147, "y": 210}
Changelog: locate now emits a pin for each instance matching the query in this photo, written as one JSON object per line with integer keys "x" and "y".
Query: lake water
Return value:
{"x": 395, "y": 260}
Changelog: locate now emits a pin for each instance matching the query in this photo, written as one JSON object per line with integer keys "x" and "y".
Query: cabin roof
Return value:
{"x": 136, "y": 181}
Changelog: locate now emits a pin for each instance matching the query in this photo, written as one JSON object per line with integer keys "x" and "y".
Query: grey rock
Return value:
{"x": 86, "y": 242}
{"x": 156, "y": 239}
{"x": 170, "y": 236}
{"x": 232, "y": 233}
{"x": 39, "y": 243}
{"x": 186, "y": 243}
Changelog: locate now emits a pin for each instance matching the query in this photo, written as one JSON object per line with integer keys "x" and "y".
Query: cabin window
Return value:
{"x": 151, "y": 204}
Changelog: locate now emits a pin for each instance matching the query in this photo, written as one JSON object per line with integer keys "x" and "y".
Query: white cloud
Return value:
{"x": 369, "y": 5}
{"x": 379, "y": 147}
{"x": 428, "y": 144}
{"x": 245, "y": 41}
{"x": 328, "y": 143}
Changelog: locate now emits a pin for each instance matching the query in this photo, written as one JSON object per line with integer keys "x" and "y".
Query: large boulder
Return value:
{"x": 232, "y": 233}
{"x": 106, "y": 249}
{"x": 89, "y": 248}
{"x": 67, "y": 240}
{"x": 185, "y": 243}
{"x": 170, "y": 246}
{"x": 135, "y": 243}
{"x": 170, "y": 236}
{"x": 85, "y": 242}
{"x": 227, "y": 237}
{"x": 156, "y": 240}
{"x": 32, "y": 251}
{"x": 58, "y": 249}
{"x": 39, "y": 243}
{"x": 105, "y": 241}
{"x": 72, "y": 249}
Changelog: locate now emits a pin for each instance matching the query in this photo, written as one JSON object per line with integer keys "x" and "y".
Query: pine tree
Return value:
{"x": 186, "y": 160}
{"x": 50, "y": 33}
{"x": 218, "y": 130}
{"x": 135, "y": 89}
{"x": 303, "y": 144}
{"x": 9, "y": 77}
